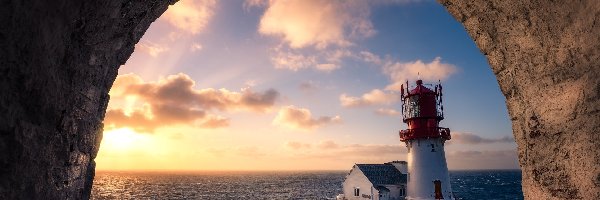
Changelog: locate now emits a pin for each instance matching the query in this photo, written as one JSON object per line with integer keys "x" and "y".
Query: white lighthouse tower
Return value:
{"x": 422, "y": 111}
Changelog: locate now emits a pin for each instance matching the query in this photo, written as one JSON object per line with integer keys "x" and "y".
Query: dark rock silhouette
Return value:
{"x": 59, "y": 58}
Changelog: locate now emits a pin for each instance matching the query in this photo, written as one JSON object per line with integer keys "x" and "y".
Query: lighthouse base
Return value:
{"x": 427, "y": 170}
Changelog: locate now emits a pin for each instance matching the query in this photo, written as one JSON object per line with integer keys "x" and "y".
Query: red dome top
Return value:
{"x": 420, "y": 89}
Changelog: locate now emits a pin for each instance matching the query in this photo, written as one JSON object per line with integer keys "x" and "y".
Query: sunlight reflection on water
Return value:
{"x": 278, "y": 185}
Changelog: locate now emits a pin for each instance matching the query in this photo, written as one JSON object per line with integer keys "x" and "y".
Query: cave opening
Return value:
{"x": 175, "y": 105}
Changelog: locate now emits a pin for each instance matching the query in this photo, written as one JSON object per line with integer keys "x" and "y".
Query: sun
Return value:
{"x": 122, "y": 139}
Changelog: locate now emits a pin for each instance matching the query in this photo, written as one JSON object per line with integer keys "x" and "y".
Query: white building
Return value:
{"x": 376, "y": 181}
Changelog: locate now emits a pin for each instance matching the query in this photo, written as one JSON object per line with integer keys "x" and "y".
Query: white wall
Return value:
{"x": 401, "y": 166}
{"x": 357, "y": 179}
{"x": 395, "y": 191}
{"x": 425, "y": 166}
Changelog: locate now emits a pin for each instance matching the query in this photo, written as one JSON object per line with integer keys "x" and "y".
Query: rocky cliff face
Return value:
{"x": 546, "y": 57}
{"x": 58, "y": 59}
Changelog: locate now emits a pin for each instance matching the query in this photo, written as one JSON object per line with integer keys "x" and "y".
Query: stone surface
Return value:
{"x": 546, "y": 57}
{"x": 58, "y": 59}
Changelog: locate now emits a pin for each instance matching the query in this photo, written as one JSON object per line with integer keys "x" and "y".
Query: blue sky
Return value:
{"x": 316, "y": 55}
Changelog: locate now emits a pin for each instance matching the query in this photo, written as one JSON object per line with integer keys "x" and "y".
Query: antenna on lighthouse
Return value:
{"x": 402, "y": 91}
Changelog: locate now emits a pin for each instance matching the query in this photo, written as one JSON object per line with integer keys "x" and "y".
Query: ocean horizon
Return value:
{"x": 321, "y": 184}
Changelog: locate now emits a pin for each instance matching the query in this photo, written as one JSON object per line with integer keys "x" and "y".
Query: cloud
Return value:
{"x": 179, "y": 90}
{"x": 353, "y": 153}
{"x": 191, "y": 16}
{"x": 195, "y": 47}
{"x": 327, "y": 67}
{"x": 301, "y": 118}
{"x": 370, "y": 57}
{"x": 215, "y": 122}
{"x": 328, "y": 144}
{"x": 319, "y": 23}
{"x": 330, "y": 150}
{"x": 374, "y": 97}
{"x": 250, "y": 151}
{"x": 314, "y": 33}
{"x": 308, "y": 86}
{"x": 469, "y": 138}
{"x": 255, "y": 3}
{"x": 253, "y": 152}
{"x": 150, "y": 48}
{"x": 374, "y": 149}
{"x": 160, "y": 116}
{"x": 387, "y": 112}
{"x": 294, "y": 60}
{"x": 136, "y": 120}
{"x": 400, "y": 72}
{"x": 297, "y": 145}
{"x": 502, "y": 159}
{"x": 174, "y": 101}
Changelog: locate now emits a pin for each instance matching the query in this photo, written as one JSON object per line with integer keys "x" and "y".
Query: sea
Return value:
{"x": 483, "y": 184}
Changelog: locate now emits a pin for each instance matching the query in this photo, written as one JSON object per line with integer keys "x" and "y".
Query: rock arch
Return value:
{"x": 58, "y": 60}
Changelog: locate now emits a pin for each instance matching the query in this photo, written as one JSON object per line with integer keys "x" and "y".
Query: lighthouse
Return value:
{"x": 422, "y": 111}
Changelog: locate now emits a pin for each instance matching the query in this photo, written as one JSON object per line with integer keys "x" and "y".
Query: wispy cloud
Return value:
{"x": 150, "y": 48}
{"x": 501, "y": 159}
{"x": 301, "y": 118}
{"x": 191, "y": 16}
{"x": 469, "y": 138}
{"x": 370, "y": 57}
{"x": 252, "y": 152}
{"x": 387, "y": 112}
{"x": 292, "y": 60}
{"x": 215, "y": 122}
{"x": 295, "y": 60}
{"x": 364, "y": 153}
{"x": 297, "y": 145}
{"x": 374, "y": 97}
{"x": 308, "y": 86}
{"x": 331, "y": 150}
{"x": 195, "y": 47}
{"x": 328, "y": 144}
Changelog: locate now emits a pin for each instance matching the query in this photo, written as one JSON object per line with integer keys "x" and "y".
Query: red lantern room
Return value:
{"x": 422, "y": 110}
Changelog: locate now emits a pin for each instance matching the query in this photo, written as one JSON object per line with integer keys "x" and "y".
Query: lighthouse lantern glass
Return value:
{"x": 412, "y": 107}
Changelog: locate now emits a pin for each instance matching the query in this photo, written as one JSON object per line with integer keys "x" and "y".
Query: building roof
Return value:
{"x": 382, "y": 174}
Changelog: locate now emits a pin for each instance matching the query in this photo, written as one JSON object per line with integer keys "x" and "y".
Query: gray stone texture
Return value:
{"x": 58, "y": 60}
{"x": 546, "y": 57}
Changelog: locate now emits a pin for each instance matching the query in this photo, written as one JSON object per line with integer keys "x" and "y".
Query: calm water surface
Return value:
{"x": 278, "y": 185}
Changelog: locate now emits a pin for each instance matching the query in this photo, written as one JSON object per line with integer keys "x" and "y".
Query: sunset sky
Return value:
{"x": 298, "y": 85}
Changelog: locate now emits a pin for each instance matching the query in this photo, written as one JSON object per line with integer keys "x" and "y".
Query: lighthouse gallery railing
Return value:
{"x": 437, "y": 132}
